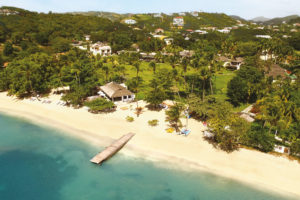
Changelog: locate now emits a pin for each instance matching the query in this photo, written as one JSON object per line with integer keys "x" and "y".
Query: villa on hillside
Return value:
{"x": 159, "y": 30}
{"x": 130, "y": 21}
{"x": 195, "y": 13}
{"x": 157, "y": 15}
{"x": 201, "y": 32}
{"x": 8, "y": 12}
{"x": 233, "y": 64}
{"x": 101, "y": 48}
{"x": 169, "y": 41}
{"x": 226, "y": 31}
{"x": 178, "y": 21}
{"x": 264, "y": 36}
{"x": 87, "y": 37}
{"x": 187, "y": 53}
{"x": 267, "y": 56}
{"x": 117, "y": 92}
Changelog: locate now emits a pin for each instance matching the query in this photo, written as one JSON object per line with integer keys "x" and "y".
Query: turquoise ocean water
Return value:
{"x": 37, "y": 163}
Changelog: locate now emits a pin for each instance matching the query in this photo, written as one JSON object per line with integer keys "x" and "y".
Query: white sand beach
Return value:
{"x": 192, "y": 152}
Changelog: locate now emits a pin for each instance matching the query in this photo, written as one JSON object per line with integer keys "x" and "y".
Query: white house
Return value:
{"x": 234, "y": 64}
{"x": 224, "y": 31}
{"x": 87, "y": 37}
{"x": 8, "y": 12}
{"x": 281, "y": 149}
{"x": 263, "y": 36}
{"x": 201, "y": 32}
{"x": 159, "y": 30}
{"x": 178, "y": 21}
{"x": 195, "y": 13}
{"x": 130, "y": 21}
{"x": 266, "y": 56}
{"x": 169, "y": 41}
{"x": 157, "y": 15}
{"x": 100, "y": 48}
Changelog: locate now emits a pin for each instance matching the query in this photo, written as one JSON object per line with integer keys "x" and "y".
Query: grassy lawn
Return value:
{"x": 146, "y": 73}
{"x": 221, "y": 80}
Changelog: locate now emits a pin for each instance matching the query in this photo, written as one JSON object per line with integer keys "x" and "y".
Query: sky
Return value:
{"x": 247, "y": 9}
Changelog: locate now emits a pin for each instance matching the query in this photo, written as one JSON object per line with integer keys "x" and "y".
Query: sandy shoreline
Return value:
{"x": 251, "y": 167}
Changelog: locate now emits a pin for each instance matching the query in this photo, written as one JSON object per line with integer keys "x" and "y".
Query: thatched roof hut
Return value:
{"x": 116, "y": 91}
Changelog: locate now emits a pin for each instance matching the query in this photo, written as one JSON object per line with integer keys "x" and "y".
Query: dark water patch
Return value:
{"x": 27, "y": 175}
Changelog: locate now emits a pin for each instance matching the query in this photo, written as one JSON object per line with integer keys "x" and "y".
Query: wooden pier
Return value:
{"x": 112, "y": 149}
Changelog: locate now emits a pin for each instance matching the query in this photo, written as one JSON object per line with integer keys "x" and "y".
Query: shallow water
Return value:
{"x": 38, "y": 163}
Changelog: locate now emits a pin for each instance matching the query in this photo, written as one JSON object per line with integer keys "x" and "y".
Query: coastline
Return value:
{"x": 263, "y": 171}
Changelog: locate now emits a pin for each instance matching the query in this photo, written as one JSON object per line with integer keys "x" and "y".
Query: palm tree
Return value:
{"x": 153, "y": 66}
{"x": 137, "y": 66}
{"x": 174, "y": 114}
{"x": 106, "y": 70}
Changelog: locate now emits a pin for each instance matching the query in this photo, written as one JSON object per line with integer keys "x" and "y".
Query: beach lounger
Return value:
{"x": 185, "y": 132}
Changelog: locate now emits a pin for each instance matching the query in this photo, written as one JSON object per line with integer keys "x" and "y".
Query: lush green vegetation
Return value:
{"x": 38, "y": 56}
{"x": 100, "y": 105}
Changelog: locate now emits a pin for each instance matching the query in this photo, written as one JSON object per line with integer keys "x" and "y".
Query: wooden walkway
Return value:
{"x": 112, "y": 149}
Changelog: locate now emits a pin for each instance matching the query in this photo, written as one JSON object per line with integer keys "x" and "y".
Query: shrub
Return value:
{"x": 129, "y": 119}
{"x": 295, "y": 148}
{"x": 153, "y": 122}
{"x": 100, "y": 105}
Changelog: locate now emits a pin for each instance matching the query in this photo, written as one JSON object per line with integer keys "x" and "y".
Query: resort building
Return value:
{"x": 201, "y": 32}
{"x": 130, "y": 21}
{"x": 87, "y": 37}
{"x": 178, "y": 21}
{"x": 187, "y": 53}
{"x": 117, "y": 92}
{"x": 169, "y": 41}
{"x": 282, "y": 149}
{"x": 224, "y": 31}
{"x": 263, "y": 36}
{"x": 234, "y": 64}
{"x": 101, "y": 48}
{"x": 159, "y": 30}
{"x": 8, "y": 12}
{"x": 157, "y": 15}
{"x": 296, "y": 24}
{"x": 267, "y": 56}
{"x": 195, "y": 13}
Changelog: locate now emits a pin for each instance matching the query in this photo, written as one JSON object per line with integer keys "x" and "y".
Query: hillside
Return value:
{"x": 237, "y": 17}
{"x": 280, "y": 20}
{"x": 260, "y": 19}
{"x": 151, "y": 22}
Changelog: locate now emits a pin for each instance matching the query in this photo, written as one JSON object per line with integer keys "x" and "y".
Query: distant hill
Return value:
{"x": 260, "y": 19}
{"x": 148, "y": 20}
{"x": 296, "y": 20}
{"x": 109, "y": 15}
{"x": 280, "y": 20}
{"x": 237, "y": 17}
